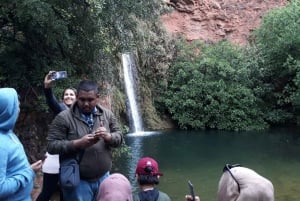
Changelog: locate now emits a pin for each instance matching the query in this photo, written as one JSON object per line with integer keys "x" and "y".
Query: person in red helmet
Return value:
{"x": 147, "y": 175}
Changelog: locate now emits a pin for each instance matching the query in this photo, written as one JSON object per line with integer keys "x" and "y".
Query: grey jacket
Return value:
{"x": 68, "y": 125}
{"x": 161, "y": 197}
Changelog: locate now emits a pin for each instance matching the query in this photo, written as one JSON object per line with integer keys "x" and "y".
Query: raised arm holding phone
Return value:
{"x": 50, "y": 166}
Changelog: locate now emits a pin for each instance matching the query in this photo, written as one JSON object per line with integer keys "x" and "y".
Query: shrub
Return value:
{"x": 211, "y": 86}
{"x": 278, "y": 40}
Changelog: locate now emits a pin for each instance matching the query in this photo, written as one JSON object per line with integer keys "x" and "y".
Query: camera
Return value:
{"x": 58, "y": 75}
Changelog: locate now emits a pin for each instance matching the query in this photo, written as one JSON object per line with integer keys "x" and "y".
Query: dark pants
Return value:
{"x": 50, "y": 186}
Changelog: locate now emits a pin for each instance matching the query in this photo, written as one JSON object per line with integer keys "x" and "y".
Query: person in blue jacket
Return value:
{"x": 16, "y": 174}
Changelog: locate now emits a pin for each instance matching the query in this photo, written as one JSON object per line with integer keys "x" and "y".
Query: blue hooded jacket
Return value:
{"x": 16, "y": 175}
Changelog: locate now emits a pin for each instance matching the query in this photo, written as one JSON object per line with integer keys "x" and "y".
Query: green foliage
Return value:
{"x": 37, "y": 36}
{"x": 83, "y": 37}
{"x": 124, "y": 150}
{"x": 278, "y": 40}
{"x": 240, "y": 88}
{"x": 212, "y": 87}
{"x": 278, "y": 36}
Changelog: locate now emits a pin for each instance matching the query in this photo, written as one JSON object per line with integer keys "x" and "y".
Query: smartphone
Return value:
{"x": 58, "y": 75}
{"x": 191, "y": 187}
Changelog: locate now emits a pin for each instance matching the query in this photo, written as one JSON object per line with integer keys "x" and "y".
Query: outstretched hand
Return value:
{"x": 36, "y": 166}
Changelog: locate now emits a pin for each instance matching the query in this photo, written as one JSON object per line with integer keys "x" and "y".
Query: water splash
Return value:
{"x": 129, "y": 68}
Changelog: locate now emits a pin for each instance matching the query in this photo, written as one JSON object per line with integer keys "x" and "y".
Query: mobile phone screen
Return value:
{"x": 58, "y": 75}
{"x": 191, "y": 187}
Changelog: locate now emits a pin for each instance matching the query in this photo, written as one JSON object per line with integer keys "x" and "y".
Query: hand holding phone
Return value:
{"x": 57, "y": 75}
{"x": 191, "y": 187}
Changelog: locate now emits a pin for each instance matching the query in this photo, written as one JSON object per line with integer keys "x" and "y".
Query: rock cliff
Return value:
{"x": 213, "y": 20}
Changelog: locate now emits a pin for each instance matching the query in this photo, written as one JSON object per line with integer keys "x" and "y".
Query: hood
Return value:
{"x": 116, "y": 187}
{"x": 253, "y": 186}
{"x": 9, "y": 108}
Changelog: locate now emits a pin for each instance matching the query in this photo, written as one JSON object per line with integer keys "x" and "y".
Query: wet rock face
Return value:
{"x": 213, "y": 20}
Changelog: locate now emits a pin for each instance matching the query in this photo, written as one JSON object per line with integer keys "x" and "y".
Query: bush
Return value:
{"x": 211, "y": 86}
{"x": 278, "y": 40}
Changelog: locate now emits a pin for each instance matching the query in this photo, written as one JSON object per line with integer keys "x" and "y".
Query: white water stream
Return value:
{"x": 129, "y": 68}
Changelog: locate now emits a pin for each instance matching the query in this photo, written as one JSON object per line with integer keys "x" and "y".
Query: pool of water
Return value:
{"x": 200, "y": 156}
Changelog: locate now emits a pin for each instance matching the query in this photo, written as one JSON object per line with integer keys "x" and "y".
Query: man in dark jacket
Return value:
{"x": 89, "y": 132}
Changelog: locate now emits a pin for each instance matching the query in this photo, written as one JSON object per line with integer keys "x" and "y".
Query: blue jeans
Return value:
{"x": 85, "y": 191}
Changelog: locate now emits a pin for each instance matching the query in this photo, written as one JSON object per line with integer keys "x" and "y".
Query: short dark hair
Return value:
{"x": 148, "y": 179}
{"x": 88, "y": 85}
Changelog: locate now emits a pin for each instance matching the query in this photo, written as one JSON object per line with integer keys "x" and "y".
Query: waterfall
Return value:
{"x": 129, "y": 68}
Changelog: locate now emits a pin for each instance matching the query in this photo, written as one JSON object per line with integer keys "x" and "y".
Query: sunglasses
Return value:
{"x": 227, "y": 167}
